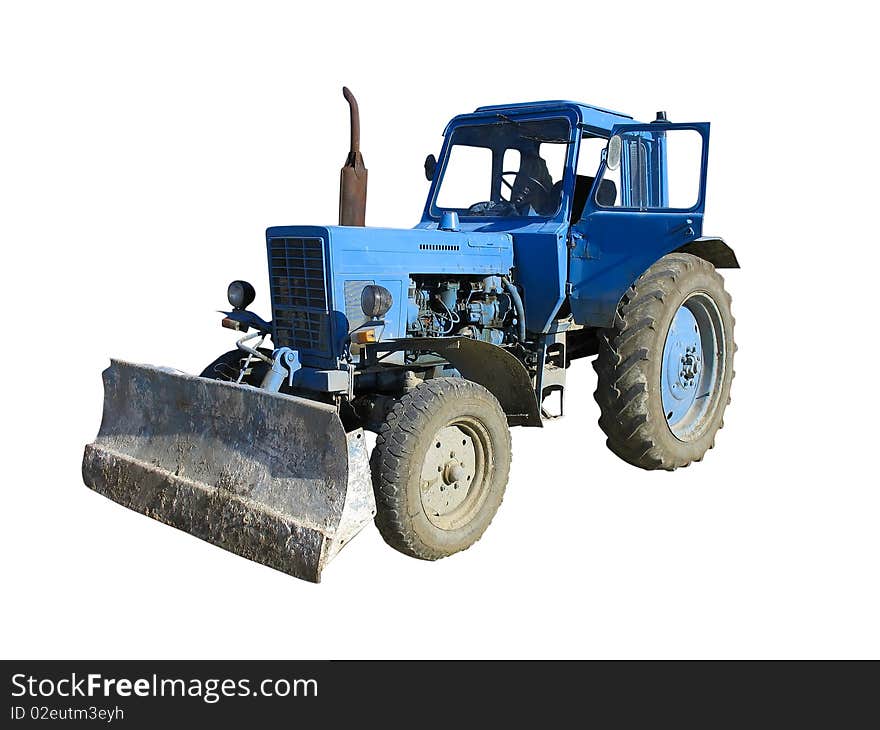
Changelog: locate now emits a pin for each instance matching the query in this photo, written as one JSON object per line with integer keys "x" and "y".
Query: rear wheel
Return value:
{"x": 440, "y": 467}
{"x": 666, "y": 365}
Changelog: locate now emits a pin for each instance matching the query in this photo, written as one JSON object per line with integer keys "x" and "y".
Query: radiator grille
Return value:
{"x": 299, "y": 294}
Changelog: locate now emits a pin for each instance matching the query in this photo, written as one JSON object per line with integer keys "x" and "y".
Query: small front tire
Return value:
{"x": 440, "y": 468}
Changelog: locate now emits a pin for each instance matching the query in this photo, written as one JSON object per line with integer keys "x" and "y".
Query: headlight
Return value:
{"x": 240, "y": 294}
{"x": 375, "y": 301}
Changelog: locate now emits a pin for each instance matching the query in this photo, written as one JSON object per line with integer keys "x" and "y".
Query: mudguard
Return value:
{"x": 488, "y": 365}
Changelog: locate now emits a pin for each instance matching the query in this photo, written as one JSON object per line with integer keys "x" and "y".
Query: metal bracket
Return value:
{"x": 285, "y": 362}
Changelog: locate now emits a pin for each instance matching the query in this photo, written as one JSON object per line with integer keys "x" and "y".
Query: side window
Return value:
{"x": 659, "y": 169}
{"x": 590, "y": 155}
{"x": 589, "y": 159}
{"x": 684, "y": 159}
{"x": 625, "y": 181}
{"x": 608, "y": 193}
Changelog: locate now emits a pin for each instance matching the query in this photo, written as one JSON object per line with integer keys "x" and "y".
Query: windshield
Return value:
{"x": 506, "y": 168}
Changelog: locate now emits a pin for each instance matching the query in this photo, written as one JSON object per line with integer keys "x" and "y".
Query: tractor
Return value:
{"x": 552, "y": 231}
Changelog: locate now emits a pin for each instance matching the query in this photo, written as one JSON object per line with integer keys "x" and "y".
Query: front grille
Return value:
{"x": 297, "y": 281}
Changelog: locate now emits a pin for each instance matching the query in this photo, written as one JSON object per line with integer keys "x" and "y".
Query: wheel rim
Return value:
{"x": 692, "y": 368}
{"x": 456, "y": 473}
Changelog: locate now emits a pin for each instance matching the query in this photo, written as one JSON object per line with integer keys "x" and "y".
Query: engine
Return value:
{"x": 441, "y": 306}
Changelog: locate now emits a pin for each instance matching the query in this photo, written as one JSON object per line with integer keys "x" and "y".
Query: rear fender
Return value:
{"x": 713, "y": 250}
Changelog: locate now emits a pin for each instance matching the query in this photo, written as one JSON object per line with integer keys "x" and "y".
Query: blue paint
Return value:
{"x": 691, "y": 366}
{"x": 389, "y": 257}
{"x": 588, "y": 266}
{"x": 540, "y": 261}
{"x": 449, "y": 221}
{"x": 681, "y": 364}
{"x": 540, "y": 242}
{"x": 617, "y": 245}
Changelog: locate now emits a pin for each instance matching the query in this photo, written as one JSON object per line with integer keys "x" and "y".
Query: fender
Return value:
{"x": 710, "y": 248}
{"x": 713, "y": 250}
{"x": 493, "y": 367}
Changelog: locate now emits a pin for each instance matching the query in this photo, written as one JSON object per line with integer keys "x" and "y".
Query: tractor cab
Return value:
{"x": 516, "y": 164}
{"x": 589, "y": 196}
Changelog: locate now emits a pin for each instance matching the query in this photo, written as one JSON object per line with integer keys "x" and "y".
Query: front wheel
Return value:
{"x": 440, "y": 467}
{"x": 665, "y": 366}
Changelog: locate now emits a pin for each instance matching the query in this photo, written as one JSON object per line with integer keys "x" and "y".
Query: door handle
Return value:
{"x": 687, "y": 228}
{"x": 582, "y": 248}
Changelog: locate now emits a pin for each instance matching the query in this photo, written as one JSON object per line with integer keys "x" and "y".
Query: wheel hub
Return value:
{"x": 448, "y": 472}
{"x": 690, "y": 366}
{"x": 454, "y": 472}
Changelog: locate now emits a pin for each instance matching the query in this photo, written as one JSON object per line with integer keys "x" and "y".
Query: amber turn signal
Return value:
{"x": 362, "y": 337}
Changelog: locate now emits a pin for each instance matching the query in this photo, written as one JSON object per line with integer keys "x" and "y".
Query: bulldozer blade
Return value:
{"x": 271, "y": 477}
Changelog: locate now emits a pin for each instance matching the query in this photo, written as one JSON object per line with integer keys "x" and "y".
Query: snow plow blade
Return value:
{"x": 271, "y": 477}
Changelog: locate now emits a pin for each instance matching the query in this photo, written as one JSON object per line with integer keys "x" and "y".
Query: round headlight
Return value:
{"x": 375, "y": 301}
{"x": 240, "y": 294}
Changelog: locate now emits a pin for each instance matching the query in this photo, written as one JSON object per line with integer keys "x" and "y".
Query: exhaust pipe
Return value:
{"x": 353, "y": 177}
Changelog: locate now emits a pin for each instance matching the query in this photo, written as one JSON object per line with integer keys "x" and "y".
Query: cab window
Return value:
{"x": 658, "y": 169}
{"x": 505, "y": 168}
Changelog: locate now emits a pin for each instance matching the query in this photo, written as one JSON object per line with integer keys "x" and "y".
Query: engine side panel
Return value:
{"x": 353, "y": 257}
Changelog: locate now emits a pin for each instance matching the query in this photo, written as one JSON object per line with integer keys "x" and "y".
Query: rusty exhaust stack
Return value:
{"x": 353, "y": 177}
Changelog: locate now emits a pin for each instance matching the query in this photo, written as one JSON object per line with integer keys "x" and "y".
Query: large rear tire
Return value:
{"x": 665, "y": 367}
{"x": 440, "y": 467}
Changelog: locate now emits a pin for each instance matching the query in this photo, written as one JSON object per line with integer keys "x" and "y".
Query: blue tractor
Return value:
{"x": 552, "y": 231}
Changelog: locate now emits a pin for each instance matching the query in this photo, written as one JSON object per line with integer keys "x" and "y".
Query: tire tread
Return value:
{"x": 396, "y": 442}
{"x": 622, "y": 390}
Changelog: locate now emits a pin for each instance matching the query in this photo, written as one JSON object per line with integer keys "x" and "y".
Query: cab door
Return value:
{"x": 646, "y": 201}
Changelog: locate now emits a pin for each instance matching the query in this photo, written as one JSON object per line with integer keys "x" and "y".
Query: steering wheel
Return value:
{"x": 529, "y": 178}
{"x": 492, "y": 207}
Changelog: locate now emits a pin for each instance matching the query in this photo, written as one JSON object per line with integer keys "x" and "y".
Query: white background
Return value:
{"x": 144, "y": 147}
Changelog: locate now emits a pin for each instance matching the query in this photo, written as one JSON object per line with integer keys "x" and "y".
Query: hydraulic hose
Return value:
{"x": 517, "y": 305}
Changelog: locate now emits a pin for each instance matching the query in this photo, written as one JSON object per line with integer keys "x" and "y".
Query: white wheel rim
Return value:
{"x": 455, "y": 474}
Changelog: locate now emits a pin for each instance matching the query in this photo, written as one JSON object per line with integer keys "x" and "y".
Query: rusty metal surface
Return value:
{"x": 353, "y": 177}
{"x": 270, "y": 477}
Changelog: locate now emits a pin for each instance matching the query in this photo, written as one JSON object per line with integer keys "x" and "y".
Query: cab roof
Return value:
{"x": 590, "y": 116}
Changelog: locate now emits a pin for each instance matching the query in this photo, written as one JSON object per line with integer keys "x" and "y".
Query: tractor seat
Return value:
{"x": 606, "y": 195}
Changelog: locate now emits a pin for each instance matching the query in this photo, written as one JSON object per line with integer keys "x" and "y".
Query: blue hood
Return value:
{"x": 317, "y": 273}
